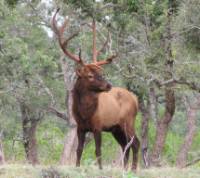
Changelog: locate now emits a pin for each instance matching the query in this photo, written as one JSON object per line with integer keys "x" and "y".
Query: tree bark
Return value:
{"x": 29, "y": 126}
{"x": 153, "y": 106}
{"x": 162, "y": 127}
{"x": 68, "y": 155}
{"x": 71, "y": 142}
{"x": 30, "y": 143}
{"x": 191, "y": 130}
{"x": 2, "y": 158}
{"x": 144, "y": 132}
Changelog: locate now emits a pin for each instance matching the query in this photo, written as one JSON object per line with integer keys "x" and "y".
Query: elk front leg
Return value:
{"x": 81, "y": 140}
{"x": 97, "y": 138}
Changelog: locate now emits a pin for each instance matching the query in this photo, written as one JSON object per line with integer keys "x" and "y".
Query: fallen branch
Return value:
{"x": 126, "y": 149}
{"x": 193, "y": 162}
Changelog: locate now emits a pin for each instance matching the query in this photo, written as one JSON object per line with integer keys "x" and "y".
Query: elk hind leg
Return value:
{"x": 134, "y": 144}
{"x": 121, "y": 138}
{"x": 135, "y": 148}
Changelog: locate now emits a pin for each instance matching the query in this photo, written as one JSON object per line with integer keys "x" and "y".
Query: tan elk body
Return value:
{"x": 115, "y": 107}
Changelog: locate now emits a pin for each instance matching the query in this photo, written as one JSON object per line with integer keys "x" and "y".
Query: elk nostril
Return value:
{"x": 109, "y": 86}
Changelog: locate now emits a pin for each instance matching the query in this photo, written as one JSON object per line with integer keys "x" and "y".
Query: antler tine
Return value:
{"x": 94, "y": 57}
{"x": 106, "y": 61}
{"x": 95, "y": 52}
{"x": 54, "y": 26}
{"x": 63, "y": 43}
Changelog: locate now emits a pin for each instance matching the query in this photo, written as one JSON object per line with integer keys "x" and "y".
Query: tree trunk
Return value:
{"x": 30, "y": 143}
{"x": 68, "y": 155}
{"x": 153, "y": 106}
{"x": 162, "y": 127}
{"x": 29, "y": 126}
{"x": 2, "y": 158}
{"x": 71, "y": 142}
{"x": 144, "y": 132}
{"x": 191, "y": 130}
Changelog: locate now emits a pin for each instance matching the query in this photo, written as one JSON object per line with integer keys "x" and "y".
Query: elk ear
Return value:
{"x": 79, "y": 72}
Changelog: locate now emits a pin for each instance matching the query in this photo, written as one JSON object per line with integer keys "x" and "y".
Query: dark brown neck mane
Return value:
{"x": 85, "y": 103}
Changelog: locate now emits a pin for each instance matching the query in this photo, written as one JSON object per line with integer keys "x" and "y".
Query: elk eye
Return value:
{"x": 90, "y": 76}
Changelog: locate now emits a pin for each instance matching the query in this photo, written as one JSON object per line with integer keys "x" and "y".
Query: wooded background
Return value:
{"x": 158, "y": 47}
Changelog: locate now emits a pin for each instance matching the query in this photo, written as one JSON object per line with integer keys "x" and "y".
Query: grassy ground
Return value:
{"x": 27, "y": 171}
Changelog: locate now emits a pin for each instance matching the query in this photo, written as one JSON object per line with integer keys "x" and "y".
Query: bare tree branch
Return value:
{"x": 192, "y": 85}
{"x": 59, "y": 114}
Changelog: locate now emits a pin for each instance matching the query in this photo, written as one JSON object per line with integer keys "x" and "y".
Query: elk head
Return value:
{"x": 90, "y": 75}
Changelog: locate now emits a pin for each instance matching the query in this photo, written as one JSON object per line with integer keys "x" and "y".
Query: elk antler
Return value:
{"x": 64, "y": 42}
{"x": 95, "y": 52}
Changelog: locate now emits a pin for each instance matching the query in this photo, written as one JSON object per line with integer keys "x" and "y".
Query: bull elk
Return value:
{"x": 97, "y": 106}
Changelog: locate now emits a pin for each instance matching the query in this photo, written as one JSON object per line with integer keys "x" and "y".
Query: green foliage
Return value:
{"x": 191, "y": 19}
{"x": 134, "y": 5}
{"x": 12, "y": 3}
{"x": 172, "y": 145}
{"x": 14, "y": 150}
{"x": 50, "y": 137}
{"x": 194, "y": 152}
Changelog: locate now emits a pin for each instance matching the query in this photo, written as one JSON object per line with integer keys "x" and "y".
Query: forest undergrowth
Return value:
{"x": 55, "y": 171}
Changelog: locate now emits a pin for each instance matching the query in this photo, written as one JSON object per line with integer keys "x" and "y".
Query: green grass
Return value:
{"x": 28, "y": 171}
{"x": 170, "y": 173}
